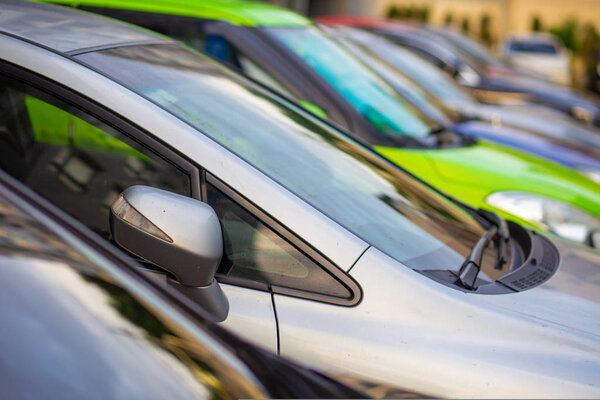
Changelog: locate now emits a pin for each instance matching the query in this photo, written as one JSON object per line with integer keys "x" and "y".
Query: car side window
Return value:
{"x": 77, "y": 162}
{"x": 253, "y": 251}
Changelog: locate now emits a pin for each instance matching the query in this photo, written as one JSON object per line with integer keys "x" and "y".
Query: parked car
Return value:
{"x": 545, "y": 134}
{"x": 79, "y": 321}
{"x": 300, "y": 60}
{"x": 331, "y": 254}
{"x": 491, "y": 82}
{"x": 540, "y": 53}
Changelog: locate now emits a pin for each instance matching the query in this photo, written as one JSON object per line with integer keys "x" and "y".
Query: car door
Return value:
{"x": 80, "y": 157}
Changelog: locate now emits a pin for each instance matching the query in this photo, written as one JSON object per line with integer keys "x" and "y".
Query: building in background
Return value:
{"x": 576, "y": 22}
{"x": 504, "y": 15}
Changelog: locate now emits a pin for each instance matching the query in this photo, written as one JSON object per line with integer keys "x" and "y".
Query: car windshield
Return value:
{"x": 383, "y": 205}
{"x": 532, "y": 47}
{"x": 423, "y": 73}
{"x": 470, "y": 46}
{"x": 379, "y": 103}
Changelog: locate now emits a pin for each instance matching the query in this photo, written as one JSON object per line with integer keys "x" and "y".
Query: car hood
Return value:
{"x": 562, "y": 150}
{"x": 541, "y": 120}
{"x": 570, "y": 298}
{"x": 539, "y": 62}
{"x": 472, "y": 173}
{"x": 550, "y": 93}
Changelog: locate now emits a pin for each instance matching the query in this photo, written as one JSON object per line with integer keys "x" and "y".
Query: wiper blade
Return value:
{"x": 467, "y": 275}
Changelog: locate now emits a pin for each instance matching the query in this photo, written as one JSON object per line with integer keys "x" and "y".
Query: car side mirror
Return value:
{"x": 176, "y": 233}
{"x": 593, "y": 239}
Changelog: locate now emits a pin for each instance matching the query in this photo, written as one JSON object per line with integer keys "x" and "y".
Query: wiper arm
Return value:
{"x": 502, "y": 242}
{"x": 467, "y": 275}
{"x": 436, "y": 130}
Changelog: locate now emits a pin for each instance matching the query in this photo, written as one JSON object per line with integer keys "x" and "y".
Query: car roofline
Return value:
{"x": 236, "y": 12}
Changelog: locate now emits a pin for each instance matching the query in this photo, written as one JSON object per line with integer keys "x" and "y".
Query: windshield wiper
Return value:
{"x": 499, "y": 233}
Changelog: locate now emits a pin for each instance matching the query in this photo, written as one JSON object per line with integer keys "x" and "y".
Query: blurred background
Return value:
{"x": 495, "y": 23}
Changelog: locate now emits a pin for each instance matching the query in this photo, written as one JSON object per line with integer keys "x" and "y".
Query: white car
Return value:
{"x": 331, "y": 254}
{"x": 539, "y": 53}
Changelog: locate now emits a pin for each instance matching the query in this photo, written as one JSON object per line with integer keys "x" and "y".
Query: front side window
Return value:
{"x": 253, "y": 251}
{"x": 386, "y": 207}
{"x": 72, "y": 159}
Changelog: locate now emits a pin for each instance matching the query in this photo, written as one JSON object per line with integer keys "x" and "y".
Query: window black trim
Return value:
{"x": 127, "y": 128}
{"x": 315, "y": 256}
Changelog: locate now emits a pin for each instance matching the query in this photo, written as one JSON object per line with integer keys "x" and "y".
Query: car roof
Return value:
{"x": 368, "y": 22}
{"x": 532, "y": 37}
{"x": 236, "y": 12}
{"x": 65, "y": 30}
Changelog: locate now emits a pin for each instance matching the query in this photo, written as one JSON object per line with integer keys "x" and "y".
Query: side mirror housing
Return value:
{"x": 176, "y": 233}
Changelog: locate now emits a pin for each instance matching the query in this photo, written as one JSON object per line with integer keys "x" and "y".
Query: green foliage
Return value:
{"x": 567, "y": 34}
{"x": 590, "y": 44}
{"x": 411, "y": 12}
{"x": 393, "y": 12}
{"x": 449, "y": 19}
{"x": 485, "y": 32}
{"x": 465, "y": 25}
{"x": 536, "y": 24}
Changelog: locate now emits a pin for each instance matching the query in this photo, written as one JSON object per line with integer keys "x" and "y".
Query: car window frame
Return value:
{"x": 287, "y": 235}
{"x": 199, "y": 178}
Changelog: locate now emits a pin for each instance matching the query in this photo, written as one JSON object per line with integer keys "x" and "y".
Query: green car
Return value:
{"x": 289, "y": 54}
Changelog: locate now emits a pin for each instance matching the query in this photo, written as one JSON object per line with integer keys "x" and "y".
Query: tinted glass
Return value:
{"x": 470, "y": 46}
{"x": 348, "y": 183}
{"x": 254, "y": 251}
{"x": 423, "y": 73}
{"x": 379, "y": 103}
{"x": 533, "y": 47}
{"x": 74, "y": 160}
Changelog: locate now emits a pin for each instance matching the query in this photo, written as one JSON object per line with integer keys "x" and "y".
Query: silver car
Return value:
{"x": 331, "y": 255}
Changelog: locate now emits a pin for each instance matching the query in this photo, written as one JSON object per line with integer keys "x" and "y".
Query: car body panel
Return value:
{"x": 251, "y": 315}
{"x": 83, "y": 36}
{"x": 241, "y": 13}
{"x": 572, "y": 155}
{"x": 470, "y": 174}
{"x": 445, "y": 343}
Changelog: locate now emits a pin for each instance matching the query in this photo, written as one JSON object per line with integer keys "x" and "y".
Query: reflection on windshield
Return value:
{"x": 470, "y": 46}
{"x": 373, "y": 98}
{"x": 351, "y": 185}
{"x": 422, "y": 72}
{"x": 410, "y": 91}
